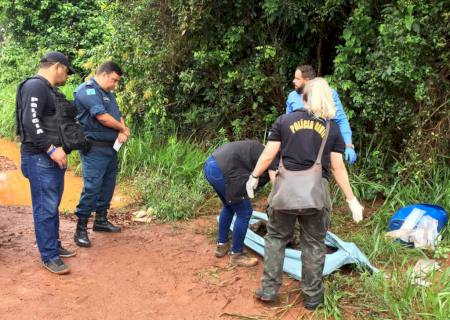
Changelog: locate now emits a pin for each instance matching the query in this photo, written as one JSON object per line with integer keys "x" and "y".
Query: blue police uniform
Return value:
{"x": 99, "y": 165}
{"x": 295, "y": 101}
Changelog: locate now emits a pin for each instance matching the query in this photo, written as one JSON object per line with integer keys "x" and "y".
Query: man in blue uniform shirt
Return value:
{"x": 295, "y": 101}
{"x": 102, "y": 123}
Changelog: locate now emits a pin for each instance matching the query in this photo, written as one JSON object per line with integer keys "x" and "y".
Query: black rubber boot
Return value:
{"x": 101, "y": 223}
{"x": 81, "y": 235}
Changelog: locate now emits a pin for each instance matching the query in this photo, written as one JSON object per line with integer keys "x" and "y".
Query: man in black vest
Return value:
{"x": 43, "y": 160}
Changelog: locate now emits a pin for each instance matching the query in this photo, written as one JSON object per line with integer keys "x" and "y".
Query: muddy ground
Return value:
{"x": 148, "y": 271}
{"x": 156, "y": 271}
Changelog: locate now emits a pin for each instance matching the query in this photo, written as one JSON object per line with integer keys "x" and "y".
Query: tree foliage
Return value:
{"x": 394, "y": 72}
{"x": 224, "y": 68}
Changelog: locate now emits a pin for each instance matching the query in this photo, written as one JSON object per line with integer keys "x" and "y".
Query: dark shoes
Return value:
{"x": 81, "y": 235}
{"x": 101, "y": 223}
{"x": 64, "y": 253}
{"x": 265, "y": 295}
{"x": 57, "y": 266}
{"x": 311, "y": 303}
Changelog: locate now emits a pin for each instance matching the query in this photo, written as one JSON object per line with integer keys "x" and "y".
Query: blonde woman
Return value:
{"x": 298, "y": 136}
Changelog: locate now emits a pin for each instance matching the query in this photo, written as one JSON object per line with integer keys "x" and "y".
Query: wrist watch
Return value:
{"x": 350, "y": 145}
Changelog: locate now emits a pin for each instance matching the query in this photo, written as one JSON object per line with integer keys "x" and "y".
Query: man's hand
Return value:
{"x": 122, "y": 137}
{"x": 126, "y": 131}
{"x": 350, "y": 155}
{"x": 356, "y": 208}
{"x": 251, "y": 186}
{"x": 60, "y": 157}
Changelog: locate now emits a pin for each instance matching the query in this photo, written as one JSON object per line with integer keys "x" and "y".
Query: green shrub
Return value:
{"x": 167, "y": 173}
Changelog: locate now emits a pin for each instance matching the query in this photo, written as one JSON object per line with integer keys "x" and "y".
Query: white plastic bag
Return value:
{"x": 425, "y": 235}
{"x": 408, "y": 225}
{"x": 419, "y": 229}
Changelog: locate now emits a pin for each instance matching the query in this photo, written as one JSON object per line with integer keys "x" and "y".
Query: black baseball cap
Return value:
{"x": 55, "y": 56}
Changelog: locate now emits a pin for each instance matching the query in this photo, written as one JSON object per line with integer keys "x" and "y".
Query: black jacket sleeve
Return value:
{"x": 35, "y": 100}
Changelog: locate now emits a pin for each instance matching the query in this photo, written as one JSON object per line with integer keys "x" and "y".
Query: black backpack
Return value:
{"x": 70, "y": 133}
{"x": 69, "y": 129}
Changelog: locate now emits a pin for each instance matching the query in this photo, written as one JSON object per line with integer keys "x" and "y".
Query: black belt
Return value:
{"x": 98, "y": 143}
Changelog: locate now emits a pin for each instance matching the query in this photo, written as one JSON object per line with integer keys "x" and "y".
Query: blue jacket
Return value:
{"x": 91, "y": 100}
{"x": 294, "y": 101}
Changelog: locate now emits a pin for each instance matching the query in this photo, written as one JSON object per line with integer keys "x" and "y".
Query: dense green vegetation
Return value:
{"x": 199, "y": 73}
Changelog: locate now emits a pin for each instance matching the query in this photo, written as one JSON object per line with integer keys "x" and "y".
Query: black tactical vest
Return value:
{"x": 62, "y": 128}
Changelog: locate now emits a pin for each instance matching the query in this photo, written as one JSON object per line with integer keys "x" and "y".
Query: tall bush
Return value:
{"x": 394, "y": 71}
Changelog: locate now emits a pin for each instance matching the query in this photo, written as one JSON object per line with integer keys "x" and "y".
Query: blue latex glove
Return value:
{"x": 350, "y": 155}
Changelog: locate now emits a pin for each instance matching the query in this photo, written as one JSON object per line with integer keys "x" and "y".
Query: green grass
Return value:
{"x": 389, "y": 294}
{"x": 7, "y": 111}
{"x": 167, "y": 172}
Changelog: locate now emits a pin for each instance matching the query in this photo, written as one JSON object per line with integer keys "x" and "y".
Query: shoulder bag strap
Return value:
{"x": 322, "y": 146}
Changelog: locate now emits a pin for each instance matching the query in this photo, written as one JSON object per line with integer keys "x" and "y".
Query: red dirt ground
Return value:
{"x": 156, "y": 271}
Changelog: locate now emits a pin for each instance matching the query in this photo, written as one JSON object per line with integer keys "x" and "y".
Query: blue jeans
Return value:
{"x": 47, "y": 186}
{"x": 243, "y": 208}
{"x": 99, "y": 171}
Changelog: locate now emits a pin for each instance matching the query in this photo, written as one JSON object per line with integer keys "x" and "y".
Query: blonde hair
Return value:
{"x": 318, "y": 98}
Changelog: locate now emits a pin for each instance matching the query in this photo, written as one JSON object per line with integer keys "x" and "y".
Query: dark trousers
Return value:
{"x": 47, "y": 187}
{"x": 280, "y": 229}
{"x": 99, "y": 172}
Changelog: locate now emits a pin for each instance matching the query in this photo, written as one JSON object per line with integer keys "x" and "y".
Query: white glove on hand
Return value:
{"x": 356, "y": 208}
{"x": 251, "y": 186}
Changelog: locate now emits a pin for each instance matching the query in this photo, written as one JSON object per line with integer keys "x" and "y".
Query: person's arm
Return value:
{"x": 341, "y": 119}
{"x": 108, "y": 121}
{"x": 264, "y": 161}
{"x": 289, "y": 104}
{"x": 340, "y": 175}
{"x": 266, "y": 158}
{"x": 123, "y": 136}
{"x": 272, "y": 175}
{"x": 34, "y": 101}
{"x": 344, "y": 127}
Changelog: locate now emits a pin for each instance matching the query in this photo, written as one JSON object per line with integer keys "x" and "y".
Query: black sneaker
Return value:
{"x": 311, "y": 303}
{"x": 64, "y": 253}
{"x": 265, "y": 295}
{"x": 57, "y": 266}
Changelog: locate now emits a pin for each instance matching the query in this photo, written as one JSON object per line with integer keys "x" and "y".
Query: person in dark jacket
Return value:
{"x": 227, "y": 170}
{"x": 43, "y": 160}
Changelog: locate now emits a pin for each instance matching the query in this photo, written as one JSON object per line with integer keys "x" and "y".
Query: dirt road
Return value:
{"x": 159, "y": 271}
{"x": 156, "y": 271}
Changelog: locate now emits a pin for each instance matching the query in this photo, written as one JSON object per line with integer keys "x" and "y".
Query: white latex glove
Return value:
{"x": 251, "y": 186}
{"x": 356, "y": 208}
